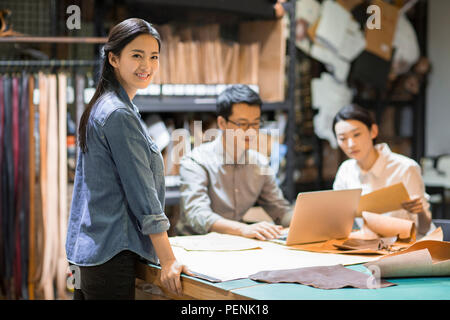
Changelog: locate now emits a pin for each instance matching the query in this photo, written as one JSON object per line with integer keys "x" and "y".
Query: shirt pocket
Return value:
{"x": 156, "y": 159}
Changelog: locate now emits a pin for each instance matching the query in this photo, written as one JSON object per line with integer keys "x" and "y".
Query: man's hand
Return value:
{"x": 170, "y": 276}
{"x": 261, "y": 231}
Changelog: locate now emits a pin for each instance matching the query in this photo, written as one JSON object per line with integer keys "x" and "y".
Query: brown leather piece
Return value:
{"x": 375, "y": 244}
{"x": 323, "y": 277}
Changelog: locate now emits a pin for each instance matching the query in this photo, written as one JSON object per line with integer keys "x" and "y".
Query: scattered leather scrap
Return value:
{"x": 322, "y": 277}
{"x": 375, "y": 244}
{"x": 337, "y": 246}
{"x": 332, "y": 246}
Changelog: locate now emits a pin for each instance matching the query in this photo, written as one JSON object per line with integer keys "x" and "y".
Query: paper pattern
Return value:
{"x": 230, "y": 265}
{"x": 422, "y": 259}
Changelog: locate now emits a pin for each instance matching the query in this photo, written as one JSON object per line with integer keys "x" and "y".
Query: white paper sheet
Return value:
{"x": 231, "y": 265}
{"x": 328, "y": 96}
{"x": 334, "y": 64}
{"x": 405, "y": 42}
{"x": 214, "y": 242}
{"x": 333, "y": 24}
{"x": 308, "y": 10}
{"x": 158, "y": 131}
{"x": 354, "y": 42}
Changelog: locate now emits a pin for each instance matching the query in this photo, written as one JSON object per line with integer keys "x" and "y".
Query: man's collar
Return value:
{"x": 225, "y": 156}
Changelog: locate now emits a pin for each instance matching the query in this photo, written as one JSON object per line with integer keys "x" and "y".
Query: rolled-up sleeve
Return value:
{"x": 413, "y": 182}
{"x": 196, "y": 204}
{"x": 131, "y": 154}
{"x": 272, "y": 200}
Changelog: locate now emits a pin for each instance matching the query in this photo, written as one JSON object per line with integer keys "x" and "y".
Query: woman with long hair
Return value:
{"x": 373, "y": 166}
{"x": 117, "y": 212}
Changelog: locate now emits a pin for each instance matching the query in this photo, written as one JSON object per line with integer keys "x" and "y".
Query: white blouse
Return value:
{"x": 390, "y": 168}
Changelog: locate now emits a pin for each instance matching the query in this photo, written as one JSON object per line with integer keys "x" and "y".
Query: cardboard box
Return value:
{"x": 379, "y": 41}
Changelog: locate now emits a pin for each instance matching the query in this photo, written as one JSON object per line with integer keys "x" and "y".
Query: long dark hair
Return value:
{"x": 119, "y": 36}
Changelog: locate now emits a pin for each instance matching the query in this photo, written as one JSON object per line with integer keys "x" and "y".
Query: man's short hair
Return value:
{"x": 238, "y": 93}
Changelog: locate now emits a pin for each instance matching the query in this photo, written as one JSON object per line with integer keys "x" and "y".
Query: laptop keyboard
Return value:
{"x": 283, "y": 236}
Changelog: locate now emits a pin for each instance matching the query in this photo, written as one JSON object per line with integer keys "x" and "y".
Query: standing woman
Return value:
{"x": 117, "y": 214}
{"x": 373, "y": 166}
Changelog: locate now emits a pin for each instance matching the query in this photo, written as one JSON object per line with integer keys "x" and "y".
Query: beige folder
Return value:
{"x": 384, "y": 200}
{"x": 248, "y": 63}
{"x": 271, "y": 37}
{"x": 379, "y": 41}
{"x": 164, "y": 62}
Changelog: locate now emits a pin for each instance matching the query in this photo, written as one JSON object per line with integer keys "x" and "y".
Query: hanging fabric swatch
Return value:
{"x": 31, "y": 190}
{"x": 50, "y": 215}
{"x": 2, "y": 189}
{"x": 61, "y": 261}
{"x": 34, "y": 184}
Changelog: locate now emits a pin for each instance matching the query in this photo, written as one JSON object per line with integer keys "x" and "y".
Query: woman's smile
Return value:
{"x": 143, "y": 76}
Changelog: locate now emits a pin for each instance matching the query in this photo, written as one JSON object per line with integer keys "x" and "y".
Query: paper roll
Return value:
{"x": 422, "y": 259}
{"x": 386, "y": 226}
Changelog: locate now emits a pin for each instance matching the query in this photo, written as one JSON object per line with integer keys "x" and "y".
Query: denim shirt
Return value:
{"x": 119, "y": 189}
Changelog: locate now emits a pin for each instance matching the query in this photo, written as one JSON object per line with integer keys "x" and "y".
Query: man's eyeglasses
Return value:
{"x": 245, "y": 125}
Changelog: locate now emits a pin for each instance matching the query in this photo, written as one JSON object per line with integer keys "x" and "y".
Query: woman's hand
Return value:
{"x": 414, "y": 205}
{"x": 170, "y": 276}
{"x": 170, "y": 268}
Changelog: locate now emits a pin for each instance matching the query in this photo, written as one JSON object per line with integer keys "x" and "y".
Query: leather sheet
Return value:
{"x": 363, "y": 246}
{"x": 322, "y": 277}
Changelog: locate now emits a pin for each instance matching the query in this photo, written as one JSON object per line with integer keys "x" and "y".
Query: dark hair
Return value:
{"x": 119, "y": 36}
{"x": 238, "y": 93}
{"x": 354, "y": 112}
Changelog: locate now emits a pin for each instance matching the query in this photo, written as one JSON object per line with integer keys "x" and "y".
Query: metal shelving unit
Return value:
{"x": 253, "y": 9}
{"x": 380, "y": 102}
{"x": 27, "y": 39}
{"x": 190, "y": 104}
{"x": 173, "y": 104}
{"x": 261, "y": 9}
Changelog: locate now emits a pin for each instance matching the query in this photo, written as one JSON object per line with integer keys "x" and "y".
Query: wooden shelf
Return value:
{"x": 173, "y": 196}
{"x": 190, "y": 104}
{"x": 53, "y": 39}
{"x": 371, "y": 103}
{"x": 262, "y": 9}
{"x": 48, "y": 63}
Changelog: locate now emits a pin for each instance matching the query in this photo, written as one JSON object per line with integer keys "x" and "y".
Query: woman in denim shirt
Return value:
{"x": 117, "y": 212}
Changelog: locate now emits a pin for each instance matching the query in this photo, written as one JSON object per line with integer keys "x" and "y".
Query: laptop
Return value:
{"x": 322, "y": 215}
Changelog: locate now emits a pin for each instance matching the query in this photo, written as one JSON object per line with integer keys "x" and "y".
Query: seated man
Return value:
{"x": 222, "y": 179}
